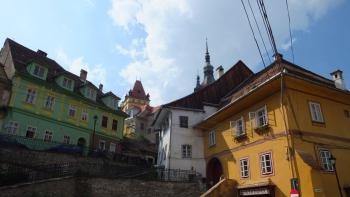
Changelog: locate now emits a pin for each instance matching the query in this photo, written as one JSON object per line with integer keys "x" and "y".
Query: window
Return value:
{"x": 149, "y": 130}
{"x": 72, "y": 111}
{"x": 244, "y": 167}
{"x": 104, "y": 121}
{"x": 66, "y": 139}
{"x": 261, "y": 117}
{"x": 67, "y": 83}
{"x": 115, "y": 125}
{"x": 266, "y": 163}
{"x": 142, "y": 126}
{"x": 239, "y": 125}
{"x": 90, "y": 93}
{"x": 39, "y": 71}
{"x": 31, "y": 95}
{"x": 84, "y": 114}
{"x": 324, "y": 159}
{"x": 48, "y": 136}
{"x": 346, "y": 114}
{"x": 186, "y": 150}
{"x": 183, "y": 121}
{"x": 112, "y": 147}
{"x": 212, "y": 138}
{"x": 12, "y": 127}
{"x": 49, "y": 102}
{"x": 316, "y": 113}
{"x": 102, "y": 145}
{"x": 30, "y": 132}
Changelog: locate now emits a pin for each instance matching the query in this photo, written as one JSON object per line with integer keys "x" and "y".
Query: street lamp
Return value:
{"x": 93, "y": 134}
{"x": 332, "y": 159}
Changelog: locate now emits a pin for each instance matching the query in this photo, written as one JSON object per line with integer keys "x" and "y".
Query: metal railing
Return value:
{"x": 177, "y": 175}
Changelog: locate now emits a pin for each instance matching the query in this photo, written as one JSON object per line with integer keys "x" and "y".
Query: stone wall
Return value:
{"x": 98, "y": 187}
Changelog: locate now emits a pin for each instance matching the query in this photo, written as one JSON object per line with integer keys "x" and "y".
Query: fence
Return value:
{"x": 177, "y": 175}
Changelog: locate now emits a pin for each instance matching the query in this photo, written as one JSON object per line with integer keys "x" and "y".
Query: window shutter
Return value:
{"x": 233, "y": 127}
{"x": 243, "y": 125}
{"x": 266, "y": 115}
{"x": 252, "y": 120}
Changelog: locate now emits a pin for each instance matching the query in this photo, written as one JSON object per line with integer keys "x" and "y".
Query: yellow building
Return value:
{"x": 277, "y": 133}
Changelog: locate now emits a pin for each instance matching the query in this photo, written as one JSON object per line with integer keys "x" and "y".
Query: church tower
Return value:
{"x": 208, "y": 70}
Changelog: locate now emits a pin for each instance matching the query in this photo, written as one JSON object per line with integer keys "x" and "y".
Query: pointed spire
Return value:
{"x": 207, "y": 56}
{"x": 198, "y": 85}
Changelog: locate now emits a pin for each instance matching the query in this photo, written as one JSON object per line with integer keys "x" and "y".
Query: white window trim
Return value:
{"x": 64, "y": 139}
{"x": 11, "y": 128}
{"x": 32, "y": 96}
{"x": 75, "y": 110}
{"x": 242, "y": 171}
{"x": 104, "y": 144}
{"x": 257, "y": 117}
{"x": 188, "y": 151}
{"x": 46, "y": 135}
{"x": 84, "y": 113}
{"x": 39, "y": 68}
{"x": 234, "y": 126}
{"x": 51, "y": 104}
{"x": 212, "y": 138}
{"x": 329, "y": 167}
{"x": 112, "y": 145}
{"x": 317, "y": 115}
{"x": 263, "y": 164}
{"x": 35, "y": 129}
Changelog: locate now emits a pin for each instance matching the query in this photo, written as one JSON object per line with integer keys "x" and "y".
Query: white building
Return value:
{"x": 180, "y": 145}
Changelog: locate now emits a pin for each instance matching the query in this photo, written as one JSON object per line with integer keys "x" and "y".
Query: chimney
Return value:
{"x": 277, "y": 57}
{"x": 41, "y": 53}
{"x": 83, "y": 75}
{"x": 100, "y": 87}
{"x": 220, "y": 71}
{"x": 338, "y": 79}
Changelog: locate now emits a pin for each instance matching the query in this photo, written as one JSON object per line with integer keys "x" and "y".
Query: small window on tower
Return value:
{"x": 346, "y": 114}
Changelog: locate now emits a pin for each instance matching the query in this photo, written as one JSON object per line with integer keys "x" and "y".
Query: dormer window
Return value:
{"x": 67, "y": 83}
{"x": 90, "y": 93}
{"x": 39, "y": 71}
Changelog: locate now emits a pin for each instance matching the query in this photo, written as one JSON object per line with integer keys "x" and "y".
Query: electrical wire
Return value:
{"x": 264, "y": 22}
{"x": 269, "y": 29}
{"x": 290, "y": 32}
{"x": 257, "y": 25}
{"x": 251, "y": 28}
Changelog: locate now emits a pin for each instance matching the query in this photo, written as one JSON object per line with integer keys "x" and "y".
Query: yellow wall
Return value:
{"x": 333, "y": 135}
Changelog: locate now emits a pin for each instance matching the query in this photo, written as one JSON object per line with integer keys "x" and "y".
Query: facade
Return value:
{"x": 50, "y": 104}
{"x": 181, "y": 145}
{"x": 278, "y": 133}
{"x": 139, "y": 123}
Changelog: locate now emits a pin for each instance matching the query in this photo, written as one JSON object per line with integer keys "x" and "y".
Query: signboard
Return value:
{"x": 294, "y": 193}
{"x": 253, "y": 192}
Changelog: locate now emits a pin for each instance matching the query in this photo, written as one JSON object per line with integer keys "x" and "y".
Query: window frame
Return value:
{"x": 243, "y": 132}
{"x": 330, "y": 167}
{"x": 186, "y": 151}
{"x": 11, "y": 128}
{"x": 67, "y": 83}
{"x": 115, "y": 125}
{"x": 48, "y": 134}
{"x": 71, "y": 109}
{"x": 257, "y": 117}
{"x": 104, "y": 122}
{"x": 212, "y": 138}
{"x": 30, "y": 96}
{"x": 49, "y": 103}
{"x": 183, "y": 121}
{"x": 104, "y": 145}
{"x": 84, "y": 114}
{"x": 39, "y": 68}
{"x": 317, "y": 115}
{"x": 263, "y": 165}
{"x": 66, "y": 139}
{"x": 34, "y": 131}
{"x": 247, "y": 171}
{"x": 110, "y": 147}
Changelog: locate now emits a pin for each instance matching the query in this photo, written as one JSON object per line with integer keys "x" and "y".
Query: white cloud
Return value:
{"x": 96, "y": 74}
{"x": 168, "y": 58}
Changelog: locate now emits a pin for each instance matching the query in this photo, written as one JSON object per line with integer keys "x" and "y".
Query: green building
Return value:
{"x": 55, "y": 107}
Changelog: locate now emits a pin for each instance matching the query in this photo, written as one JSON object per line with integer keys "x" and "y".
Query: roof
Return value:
{"x": 22, "y": 56}
{"x": 138, "y": 91}
{"x": 213, "y": 93}
{"x": 110, "y": 94}
{"x": 3, "y": 75}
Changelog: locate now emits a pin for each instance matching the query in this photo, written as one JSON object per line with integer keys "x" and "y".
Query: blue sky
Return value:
{"x": 162, "y": 42}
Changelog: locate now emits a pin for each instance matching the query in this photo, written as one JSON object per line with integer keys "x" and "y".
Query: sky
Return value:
{"x": 162, "y": 42}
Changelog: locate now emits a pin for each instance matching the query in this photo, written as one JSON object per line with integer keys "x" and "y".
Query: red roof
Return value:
{"x": 138, "y": 91}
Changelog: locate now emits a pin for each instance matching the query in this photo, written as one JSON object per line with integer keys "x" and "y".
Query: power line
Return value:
{"x": 262, "y": 39}
{"x": 290, "y": 32}
{"x": 251, "y": 28}
{"x": 264, "y": 22}
{"x": 269, "y": 29}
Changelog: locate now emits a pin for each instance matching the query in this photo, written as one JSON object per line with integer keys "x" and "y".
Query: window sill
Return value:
{"x": 318, "y": 124}
{"x": 241, "y": 137}
{"x": 262, "y": 129}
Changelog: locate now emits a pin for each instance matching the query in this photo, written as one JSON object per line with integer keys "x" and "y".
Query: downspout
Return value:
{"x": 290, "y": 150}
